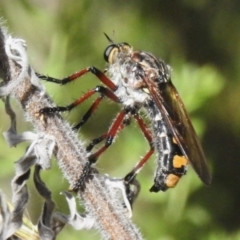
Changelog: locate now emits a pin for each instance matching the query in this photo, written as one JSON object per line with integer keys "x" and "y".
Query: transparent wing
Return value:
{"x": 172, "y": 108}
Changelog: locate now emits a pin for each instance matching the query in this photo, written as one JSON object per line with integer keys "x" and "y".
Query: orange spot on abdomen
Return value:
{"x": 172, "y": 180}
{"x": 179, "y": 161}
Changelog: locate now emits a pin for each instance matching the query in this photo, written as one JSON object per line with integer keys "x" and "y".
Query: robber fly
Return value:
{"x": 139, "y": 81}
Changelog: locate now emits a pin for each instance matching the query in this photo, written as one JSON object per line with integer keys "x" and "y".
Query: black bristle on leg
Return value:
{"x": 86, "y": 176}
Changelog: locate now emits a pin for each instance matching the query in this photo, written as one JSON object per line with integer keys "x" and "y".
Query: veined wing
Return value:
{"x": 168, "y": 101}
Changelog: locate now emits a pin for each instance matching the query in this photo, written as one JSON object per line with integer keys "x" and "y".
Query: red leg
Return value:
{"x": 117, "y": 125}
{"x": 103, "y": 90}
{"x": 131, "y": 175}
{"x": 100, "y": 75}
{"x": 95, "y": 141}
{"x": 89, "y": 113}
{"x": 104, "y": 136}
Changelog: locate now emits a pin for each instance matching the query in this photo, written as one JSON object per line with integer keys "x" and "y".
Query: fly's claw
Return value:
{"x": 86, "y": 176}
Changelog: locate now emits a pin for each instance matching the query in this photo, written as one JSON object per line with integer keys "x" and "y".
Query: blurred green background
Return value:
{"x": 201, "y": 41}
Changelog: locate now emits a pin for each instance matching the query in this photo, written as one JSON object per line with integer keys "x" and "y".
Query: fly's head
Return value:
{"x": 117, "y": 53}
{"x": 126, "y": 73}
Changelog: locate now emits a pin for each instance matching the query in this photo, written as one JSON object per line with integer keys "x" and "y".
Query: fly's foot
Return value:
{"x": 132, "y": 190}
{"x": 86, "y": 176}
{"x": 50, "y": 111}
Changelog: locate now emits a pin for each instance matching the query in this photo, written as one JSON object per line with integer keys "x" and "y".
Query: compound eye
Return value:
{"x": 109, "y": 53}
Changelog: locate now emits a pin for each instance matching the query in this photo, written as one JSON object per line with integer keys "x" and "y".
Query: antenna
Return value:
{"x": 108, "y": 38}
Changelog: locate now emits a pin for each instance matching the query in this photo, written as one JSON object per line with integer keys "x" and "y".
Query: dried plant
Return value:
{"x": 51, "y": 136}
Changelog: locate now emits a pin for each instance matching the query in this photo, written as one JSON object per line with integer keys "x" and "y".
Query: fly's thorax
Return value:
{"x": 154, "y": 69}
{"x": 125, "y": 76}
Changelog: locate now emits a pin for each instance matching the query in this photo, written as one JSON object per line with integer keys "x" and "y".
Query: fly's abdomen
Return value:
{"x": 171, "y": 163}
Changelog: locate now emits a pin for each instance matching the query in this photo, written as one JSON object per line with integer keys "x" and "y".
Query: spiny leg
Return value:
{"x": 99, "y": 89}
{"x": 99, "y": 74}
{"x": 108, "y": 92}
{"x": 89, "y": 113}
{"x": 87, "y": 170}
{"x": 129, "y": 178}
{"x": 97, "y": 140}
{"x": 110, "y": 135}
